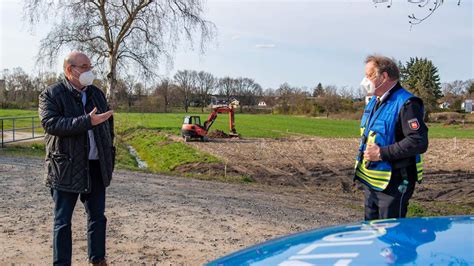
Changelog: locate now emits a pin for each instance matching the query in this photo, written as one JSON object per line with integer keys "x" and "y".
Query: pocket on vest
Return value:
{"x": 61, "y": 168}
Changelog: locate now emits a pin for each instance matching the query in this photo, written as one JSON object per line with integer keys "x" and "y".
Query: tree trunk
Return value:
{"x": 112, "y": 80}
{"x": 186, "y": 105}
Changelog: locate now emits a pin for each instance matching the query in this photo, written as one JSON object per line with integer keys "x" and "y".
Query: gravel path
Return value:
{"x": 159, "y": 219}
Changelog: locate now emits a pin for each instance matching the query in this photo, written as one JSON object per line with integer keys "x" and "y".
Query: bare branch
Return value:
{"x": 423, "y": 4}
{"x": 120, "y": 35}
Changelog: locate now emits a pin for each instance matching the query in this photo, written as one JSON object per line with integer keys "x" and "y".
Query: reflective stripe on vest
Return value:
{"x": 381, "y": 131}
{"x": 419, "y": 167}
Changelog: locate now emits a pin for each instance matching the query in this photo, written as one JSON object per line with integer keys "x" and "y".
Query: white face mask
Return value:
{"x": 86, "y": 78}
{"x": 367, "y": 86}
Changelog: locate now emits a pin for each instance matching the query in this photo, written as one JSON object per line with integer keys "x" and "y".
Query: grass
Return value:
{"x": 451, "y": 131}
{"x": 437, "y": 208}
{"x": 160, "y": 153}
{"x": 261, "y": 126}
{"x": 123, "y": 159}
{"x": 22, "y": 123}
{"x": 17, "y": 112}
{"x": 274, "y": 126}
{"x": 24, "y": 149}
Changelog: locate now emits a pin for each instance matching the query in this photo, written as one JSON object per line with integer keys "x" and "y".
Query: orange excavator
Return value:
{"x": 192, "y": 128}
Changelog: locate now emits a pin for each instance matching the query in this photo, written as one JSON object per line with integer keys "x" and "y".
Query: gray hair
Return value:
{"x": 384, "y": 64}
{"x": 70, "y": 59}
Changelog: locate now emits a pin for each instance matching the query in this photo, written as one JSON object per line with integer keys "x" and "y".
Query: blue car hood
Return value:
{"x": 412, "y": 241}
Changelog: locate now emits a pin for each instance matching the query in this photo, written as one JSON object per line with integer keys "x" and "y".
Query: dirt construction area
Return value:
{"x": 299, "y": 183}
{"x": 322, "y": 164}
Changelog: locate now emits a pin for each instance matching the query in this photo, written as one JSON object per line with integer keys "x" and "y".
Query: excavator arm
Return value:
{"x": 220, "y": 110}
{"x": 210, "y": 120}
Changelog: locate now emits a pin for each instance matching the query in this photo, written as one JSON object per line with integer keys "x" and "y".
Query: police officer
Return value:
{"x": 393, "y": 137}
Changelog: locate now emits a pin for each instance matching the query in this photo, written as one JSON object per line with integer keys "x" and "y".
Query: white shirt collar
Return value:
{"x": 387, "y": 93}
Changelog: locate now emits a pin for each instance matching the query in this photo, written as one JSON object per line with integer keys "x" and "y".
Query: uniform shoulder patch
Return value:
{"x": 414, "y": 124}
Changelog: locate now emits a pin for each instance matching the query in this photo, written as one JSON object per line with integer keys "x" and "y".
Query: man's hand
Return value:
{"x": 100, "y": 118}
{"x": 372, "y": 153}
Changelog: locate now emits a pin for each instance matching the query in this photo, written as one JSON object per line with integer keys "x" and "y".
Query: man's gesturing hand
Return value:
{"x": 100, "y": 118}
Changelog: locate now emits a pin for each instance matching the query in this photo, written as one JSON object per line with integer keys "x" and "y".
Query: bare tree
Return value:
{"x": 186, "y": 82}
{"x": 331, "y": 101}
{"x": 163, "y": 91}
{"x": 248, "y": 91}
{"x": 119, "y": 34}
{"x": 227, "y": 87}
{"x": 284, "y": 93}
{"x": 298, "y": 101}
{"x": 123, "y": 94}
{"x": 19, "y": 86}
{"x": 430, "y": 5}
{"x": 470, "y": 89}
{"x": 457, "y": 87}
{"x": 206, "y": 83}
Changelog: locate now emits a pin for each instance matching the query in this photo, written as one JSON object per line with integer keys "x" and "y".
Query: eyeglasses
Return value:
{"x": 372, "y": 76}
{"x": 84, "y": 67}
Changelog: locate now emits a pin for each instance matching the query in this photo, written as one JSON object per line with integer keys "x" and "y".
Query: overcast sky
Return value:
{"x": 299, "y": 42}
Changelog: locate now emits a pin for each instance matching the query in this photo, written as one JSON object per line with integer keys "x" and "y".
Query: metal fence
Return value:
{"x": 20, "y": 128}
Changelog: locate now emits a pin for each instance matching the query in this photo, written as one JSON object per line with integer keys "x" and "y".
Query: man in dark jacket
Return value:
{"x": 79, "y": 155}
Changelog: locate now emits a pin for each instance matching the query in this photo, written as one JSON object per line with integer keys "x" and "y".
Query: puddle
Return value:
{"x": 133, "y": 152}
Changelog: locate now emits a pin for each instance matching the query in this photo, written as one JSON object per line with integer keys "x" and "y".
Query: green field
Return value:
{"x": 16, "y": 112}
{"x": 268, "y": 126}
{"x": 135, "y": 129}
{"x": 23, "y": 122}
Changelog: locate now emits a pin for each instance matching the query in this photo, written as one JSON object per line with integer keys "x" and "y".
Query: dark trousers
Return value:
{"x": 386, "y": 204}
{"x": 94, "y": 203}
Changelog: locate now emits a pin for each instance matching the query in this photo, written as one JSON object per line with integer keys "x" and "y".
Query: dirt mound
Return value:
{"x": 219, "y": 134}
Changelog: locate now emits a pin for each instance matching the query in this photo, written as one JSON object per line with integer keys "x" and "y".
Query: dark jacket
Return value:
{"x": 66, "y": 124}
{"x": 408, "y": 142}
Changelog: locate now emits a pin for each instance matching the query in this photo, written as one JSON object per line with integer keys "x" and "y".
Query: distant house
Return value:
{"x": 444, "y": 105}
{"x": 467, "y": 105}
{"x": 217, "y": 100}
{"x": 221, "y": 100}
{"x": 262, "y": 104}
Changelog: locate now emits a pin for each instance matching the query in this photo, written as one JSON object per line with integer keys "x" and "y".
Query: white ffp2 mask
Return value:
{"x": 86, "y": 78}
{"x": 367, "y": 85}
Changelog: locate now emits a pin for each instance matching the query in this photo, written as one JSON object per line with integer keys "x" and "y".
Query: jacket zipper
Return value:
{"x": 87, "y": 189}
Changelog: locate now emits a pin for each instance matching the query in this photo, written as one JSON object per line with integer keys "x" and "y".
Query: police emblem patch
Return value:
{"x": 413, "y": 124}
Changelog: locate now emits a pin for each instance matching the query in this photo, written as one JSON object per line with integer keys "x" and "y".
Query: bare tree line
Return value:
{"x": 188, "y": 88}
{"x": 195, "y": 89}
{"x": 18, "y": 89}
